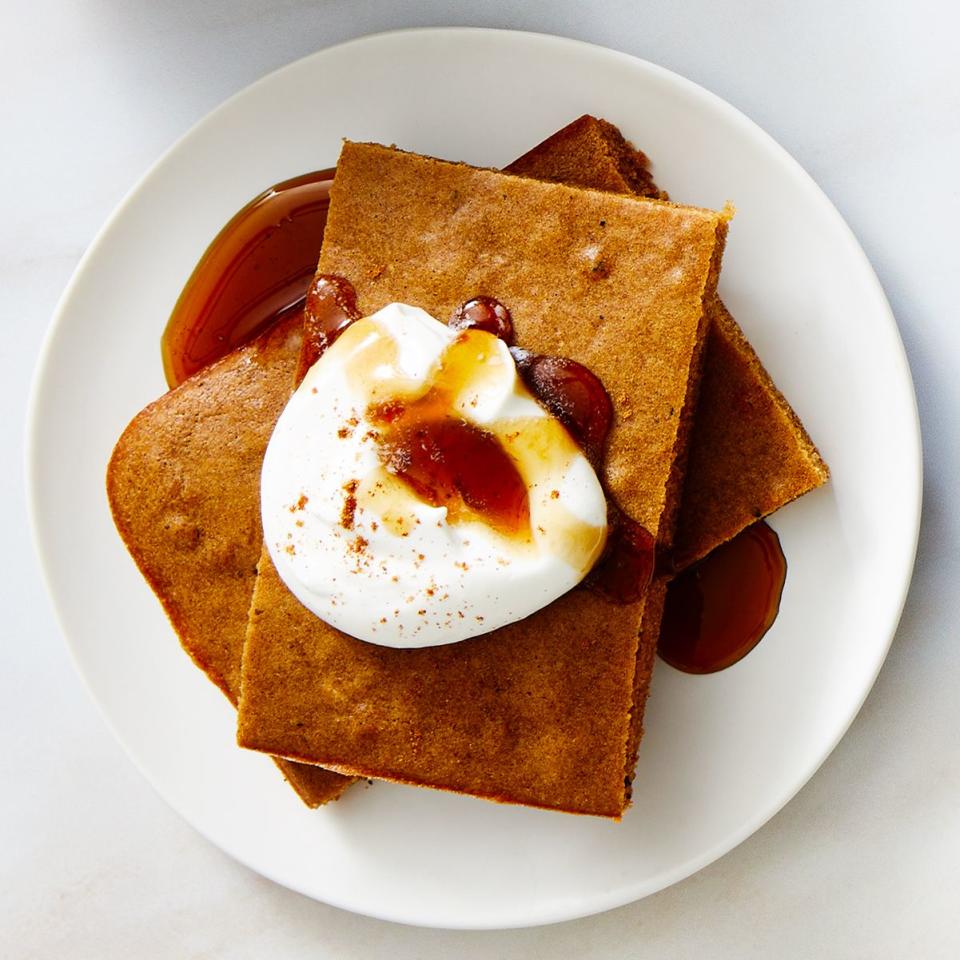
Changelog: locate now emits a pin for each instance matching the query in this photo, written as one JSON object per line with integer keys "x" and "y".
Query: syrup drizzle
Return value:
{"x": 487, "y": 314}
{"x": 718, "y": 610}
{"x": 573, "y": 394}
{"x": 451, "y": 463}
{"x": 255, "y": 272}
{"x": 330, "y": 307}
{"x": 624, "y": 570}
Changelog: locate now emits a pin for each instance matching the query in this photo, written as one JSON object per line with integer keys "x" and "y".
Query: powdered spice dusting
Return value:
{"x": 348, "y": 513}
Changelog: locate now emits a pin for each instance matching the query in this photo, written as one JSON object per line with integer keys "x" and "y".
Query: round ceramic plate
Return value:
{"x": 722, "y": 753}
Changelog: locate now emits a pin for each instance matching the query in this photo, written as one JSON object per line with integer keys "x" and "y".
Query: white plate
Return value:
{"x": 722, "y": 753}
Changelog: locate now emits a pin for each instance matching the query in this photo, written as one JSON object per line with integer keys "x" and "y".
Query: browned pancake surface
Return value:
{"x": 539, "y": 712}
{"x": 590, "y": 153}
{"x": 183, "y": 484}
{"x": 749, "y": 453}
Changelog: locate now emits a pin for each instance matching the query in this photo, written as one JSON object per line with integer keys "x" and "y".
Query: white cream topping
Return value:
{"x": 361, "y": 550}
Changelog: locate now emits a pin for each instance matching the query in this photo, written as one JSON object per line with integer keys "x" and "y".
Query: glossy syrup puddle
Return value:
{"x": 719, "y": 609}
{"x": 446, "y": 460}
{"x": 255, "y": 272}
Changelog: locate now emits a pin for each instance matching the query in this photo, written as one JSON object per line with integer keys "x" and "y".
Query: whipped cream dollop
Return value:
{"x": 414, "y": 492}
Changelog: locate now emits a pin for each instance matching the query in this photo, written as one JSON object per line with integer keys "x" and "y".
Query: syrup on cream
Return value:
{"x": 415, "y": 493}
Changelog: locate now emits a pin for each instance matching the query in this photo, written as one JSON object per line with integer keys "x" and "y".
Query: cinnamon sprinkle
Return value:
{"x": 348, "y": 513}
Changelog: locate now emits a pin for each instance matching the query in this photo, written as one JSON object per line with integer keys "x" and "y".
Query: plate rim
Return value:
{"x": 626, "y": 893}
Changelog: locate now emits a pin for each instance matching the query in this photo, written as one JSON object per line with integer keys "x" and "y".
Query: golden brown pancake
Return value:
{"x": 183, "y": 484}
{"x": 749, "y": 453}
{"x": 543, "y": 711}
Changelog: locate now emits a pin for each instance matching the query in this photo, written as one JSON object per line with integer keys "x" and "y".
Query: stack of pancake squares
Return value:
{"x": 594, "y": 264}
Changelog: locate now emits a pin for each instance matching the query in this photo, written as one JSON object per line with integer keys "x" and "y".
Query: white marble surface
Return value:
{"x": 864, "y": 862}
